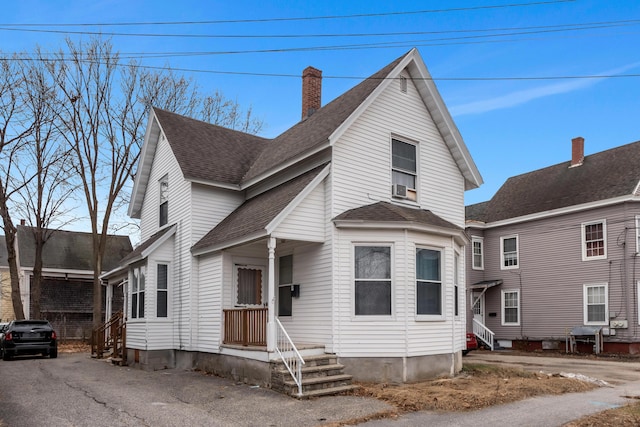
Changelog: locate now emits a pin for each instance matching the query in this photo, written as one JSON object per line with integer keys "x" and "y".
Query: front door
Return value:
{"x": 478, "y": 306}
{"x": 249, "y": 285}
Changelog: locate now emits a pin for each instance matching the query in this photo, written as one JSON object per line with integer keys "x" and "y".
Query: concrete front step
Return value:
{"x": 321, "y": 375}
{"x": 325, "y": 391}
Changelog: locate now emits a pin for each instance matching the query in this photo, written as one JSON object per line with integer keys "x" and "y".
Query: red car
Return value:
{"x": 472, "y": 343}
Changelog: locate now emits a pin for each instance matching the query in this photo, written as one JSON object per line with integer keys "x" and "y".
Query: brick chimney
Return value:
{"x": 311, "y": 91}
{"x": 577, "y": 151}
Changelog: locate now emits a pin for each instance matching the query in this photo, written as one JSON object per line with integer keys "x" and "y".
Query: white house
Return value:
{"x": 348, "y": 229}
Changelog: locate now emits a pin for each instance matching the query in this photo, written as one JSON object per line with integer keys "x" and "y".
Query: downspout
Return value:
{"x": 271, "y": 322}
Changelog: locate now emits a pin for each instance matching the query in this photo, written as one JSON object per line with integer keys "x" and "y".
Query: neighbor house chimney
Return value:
{"x": 22, "y": 222}
{"x": 577, "y": 151}
{"x": 311, "y": 91}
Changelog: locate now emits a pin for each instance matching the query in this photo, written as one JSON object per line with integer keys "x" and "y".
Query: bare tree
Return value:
{"x": 44, "y": 168}
{"x": 14, "y": 128}
{"x": 222, "y": 111}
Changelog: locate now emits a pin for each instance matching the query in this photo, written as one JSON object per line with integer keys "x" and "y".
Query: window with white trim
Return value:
{"x": 137, "y": 291}
{"x": 429, "y": 289}
{"x": 477, "y": 245}
{"x": 596, "y": 304}
{"x": 163, "y": 213}
{"x": 511, "y": 307}
{"x": 285, "y": 281}
{"x": 162, "y": 290}
{"x": 372, "y": 265}
{"x": 404, "y": 169}
{"x": 594, "y": 240}
{"x": 509, "y": 252}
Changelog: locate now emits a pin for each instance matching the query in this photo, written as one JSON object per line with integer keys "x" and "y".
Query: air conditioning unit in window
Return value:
{"x": 399, "y": 191}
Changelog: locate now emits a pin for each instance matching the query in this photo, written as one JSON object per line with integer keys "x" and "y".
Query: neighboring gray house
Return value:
{"x": 558, "y": 248}
{"x": 346, "y": 231}
{"x": 67, "y": 288}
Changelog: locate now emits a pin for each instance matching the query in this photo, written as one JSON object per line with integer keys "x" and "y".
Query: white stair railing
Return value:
{"x": 289, "y": 354}
{"x": 485, "y": 334}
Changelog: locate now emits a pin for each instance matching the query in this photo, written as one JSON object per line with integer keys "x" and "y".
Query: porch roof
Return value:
{"x": 251, "y": 220}
{"x": 485, "y": 284}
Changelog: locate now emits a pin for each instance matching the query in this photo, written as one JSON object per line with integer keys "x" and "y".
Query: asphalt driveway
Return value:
{"x": 75, "y": 390}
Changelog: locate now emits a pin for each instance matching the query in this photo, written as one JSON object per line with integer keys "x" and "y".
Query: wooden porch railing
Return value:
{"x": 110, "y": 336}
{"x": 245, "y": 326}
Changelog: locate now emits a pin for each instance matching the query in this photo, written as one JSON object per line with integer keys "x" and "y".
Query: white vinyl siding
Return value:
{"x": 637, "y": 235}
{"x": 400, "y": 334}
{"x": 596, "y": 304}
{"x": 307, "y": 219}
{"x": 509, "y": 252}
{"x": 594, "y": 240}
{"x": 360, "y": 179}
{"x": 510, "y": 307}
{"x": 477, "y": 252}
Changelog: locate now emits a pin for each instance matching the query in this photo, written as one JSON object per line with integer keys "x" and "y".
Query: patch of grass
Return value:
{"x": 625, "y": 416}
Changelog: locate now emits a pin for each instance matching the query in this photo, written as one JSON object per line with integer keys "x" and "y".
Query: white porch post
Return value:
{"x": 271, "y": 294}
{"x": 108, "y": 301}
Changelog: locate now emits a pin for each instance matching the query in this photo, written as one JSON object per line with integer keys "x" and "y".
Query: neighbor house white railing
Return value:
{"x": 290, "y": 355}
{"x": 485, "y": 334}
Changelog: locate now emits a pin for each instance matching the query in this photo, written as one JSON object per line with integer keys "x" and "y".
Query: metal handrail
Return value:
{"x": 484, "y": 333}
{"x": 294, "y": 361}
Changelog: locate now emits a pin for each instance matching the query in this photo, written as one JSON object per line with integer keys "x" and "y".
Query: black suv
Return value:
{"x": 28, "y": 337}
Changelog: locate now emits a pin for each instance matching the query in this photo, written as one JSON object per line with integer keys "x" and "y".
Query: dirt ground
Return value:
{"x": 476, "y": 387}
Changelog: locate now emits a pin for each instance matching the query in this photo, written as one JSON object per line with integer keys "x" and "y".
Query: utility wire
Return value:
{"x": 308, "y": 18}
{"x": 505, "y": 32}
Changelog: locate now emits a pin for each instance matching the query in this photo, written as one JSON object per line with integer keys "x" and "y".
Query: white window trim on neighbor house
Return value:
{"x": 583, "y": 228}
{"x": 502, "y": 253}
{"x": 439, "y": 281}
{"x": 412, "y": 190}
{"x": 456, "y": 285}
{"x": 356, "y": 280}
{"x": 586, "y": 304}
{"x": 479, "y": 254}
{"x": 504, "y": 307}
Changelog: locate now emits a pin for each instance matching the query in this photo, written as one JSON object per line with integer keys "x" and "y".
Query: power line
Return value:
{"x": 508, "y": 30}
{"x": 255, "y": 74}
{"x": 307, "y": 18}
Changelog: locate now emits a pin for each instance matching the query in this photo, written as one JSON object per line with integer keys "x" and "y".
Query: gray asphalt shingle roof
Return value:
{"x": 389, "y": 212}
{"x": 212, "y": 153}
{"x": 70, "y": 250}
{"x": 604, "y": 175}
{"x": 255, "y": 214}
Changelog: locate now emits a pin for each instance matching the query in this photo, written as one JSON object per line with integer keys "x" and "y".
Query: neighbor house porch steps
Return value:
{"x": 322, "y": 375}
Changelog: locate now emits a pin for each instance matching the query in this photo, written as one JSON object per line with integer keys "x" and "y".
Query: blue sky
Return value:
{"x": 488, "y": 58}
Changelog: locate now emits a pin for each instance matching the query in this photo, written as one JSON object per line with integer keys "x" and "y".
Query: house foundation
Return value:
{"x": 402, "y": 369}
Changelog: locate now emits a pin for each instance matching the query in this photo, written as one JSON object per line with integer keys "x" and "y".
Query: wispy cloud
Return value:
{"x": 524, "y": 96}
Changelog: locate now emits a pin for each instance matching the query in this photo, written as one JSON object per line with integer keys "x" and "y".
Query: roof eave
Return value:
{"x": 147, "y": 153}
{"x": 457, "y": 233}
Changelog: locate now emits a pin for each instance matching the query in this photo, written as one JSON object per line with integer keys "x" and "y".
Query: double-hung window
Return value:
{"x": 404, "y": 170}
{"x": 164, "y": 201}
{"x": 372, "y": 280}
{"x": 596, "y": 304}
{"x": 511, "y": 307}
{"x": 429, "y": 289}
{"x": 509, "y": 252}
{"x": 456, "y": 279}
{"x": 594, "y": 240}
{"x": 478, "y": 253}
{"x": 162, "y": 290}
{"x": 285, "y": 280}
{"x": 137, "y": 291}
